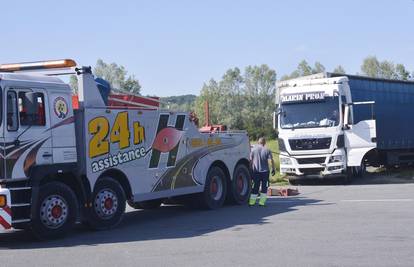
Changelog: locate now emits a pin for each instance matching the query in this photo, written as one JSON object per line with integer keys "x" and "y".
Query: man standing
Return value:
{"x": 259, "y": 160}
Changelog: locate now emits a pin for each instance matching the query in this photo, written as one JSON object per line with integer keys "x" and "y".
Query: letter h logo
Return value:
{"x": 167, "y": 140}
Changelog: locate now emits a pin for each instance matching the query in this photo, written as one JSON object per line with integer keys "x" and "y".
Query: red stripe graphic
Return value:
{"x": 5, "y": 224}
{"x": 7, "y": 209}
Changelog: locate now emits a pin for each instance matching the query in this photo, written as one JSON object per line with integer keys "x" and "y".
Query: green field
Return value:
{"x": 277, "y": 178}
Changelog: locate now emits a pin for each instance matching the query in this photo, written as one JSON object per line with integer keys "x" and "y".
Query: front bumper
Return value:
{"x": 5, "y": 211}
{"x": 313, "y": 166}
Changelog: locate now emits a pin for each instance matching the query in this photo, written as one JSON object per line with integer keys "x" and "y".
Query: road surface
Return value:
{"x": 353, "y": 225}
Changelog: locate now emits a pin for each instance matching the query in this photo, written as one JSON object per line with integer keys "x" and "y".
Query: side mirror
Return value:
{"x": 274, "y": 120}
{"x": 275, "y": 114}
{"x": 347, "y": 112}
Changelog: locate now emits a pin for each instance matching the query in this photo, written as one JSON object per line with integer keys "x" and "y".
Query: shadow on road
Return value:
{"x": 167, "y": 222}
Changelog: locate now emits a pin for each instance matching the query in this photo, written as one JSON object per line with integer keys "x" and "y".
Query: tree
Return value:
{"x": 231, "y": 104}
{"x": 371, "y": 67}
{"x": 178, "y": 103}
{"x": 260, "y": 90}
{"x": 339, "y": 69}
{"x": 241, "y": 101}
{"x": 210, "y": 92}
{"x": 304, "y": 69}
{"x": 114, "y": 74}
{"x": 402, "y": 72}
{"x": 318, "y": 68}
{"x": 385, "y": 69}
{"x": 73, "y": 82}
{"x": 131, "y": 85}
{"x": 117, "y": 77}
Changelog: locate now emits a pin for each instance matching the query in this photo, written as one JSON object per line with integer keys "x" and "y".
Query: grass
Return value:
{"x": 276, "y": 179}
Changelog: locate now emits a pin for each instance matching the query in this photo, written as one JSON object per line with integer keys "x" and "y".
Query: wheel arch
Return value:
{"x": 372, "y": 157}
{"x": 63, "y": 173}
{"x": 121, "y": 177}
{"x": 356, "y": 156}
{"x": 223, "y": 166}
{"x": 243, "y": 161}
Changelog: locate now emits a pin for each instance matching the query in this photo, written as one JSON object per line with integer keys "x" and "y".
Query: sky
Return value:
{"x": 173, "y": 47}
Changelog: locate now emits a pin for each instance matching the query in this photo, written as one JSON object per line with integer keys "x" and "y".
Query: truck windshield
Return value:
{"x": 310, "y": 114}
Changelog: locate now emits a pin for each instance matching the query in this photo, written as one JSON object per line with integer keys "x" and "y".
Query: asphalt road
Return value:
{"x": 353, "y": 225}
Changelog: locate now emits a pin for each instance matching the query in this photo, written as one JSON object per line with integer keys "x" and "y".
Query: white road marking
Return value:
{"x": 379, "y": 200}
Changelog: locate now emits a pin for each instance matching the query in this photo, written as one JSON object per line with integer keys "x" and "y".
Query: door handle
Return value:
{"x": 46, "y": 155}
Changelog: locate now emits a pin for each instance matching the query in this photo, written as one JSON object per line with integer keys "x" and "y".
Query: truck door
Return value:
{"x": 359, "y": 137}
{"x": 26, "y": 133}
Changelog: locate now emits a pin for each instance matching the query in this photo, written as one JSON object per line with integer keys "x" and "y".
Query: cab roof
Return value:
{"x": 6, "y": 76}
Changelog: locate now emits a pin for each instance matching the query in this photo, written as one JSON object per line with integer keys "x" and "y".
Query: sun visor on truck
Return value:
{"x": 104, "y": 89}
{"x": 302, "y": 97}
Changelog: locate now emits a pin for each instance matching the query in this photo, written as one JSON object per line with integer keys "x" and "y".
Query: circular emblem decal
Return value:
{"x": 61, "y": 107}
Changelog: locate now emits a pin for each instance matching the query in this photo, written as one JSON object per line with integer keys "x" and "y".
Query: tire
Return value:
{"x": 357, "y": 172}
{"x": 56, "y": 211}
{"x": 240, "y": 185}
{"x": 214, "y": 190}
{"x": 361, "y": 170}
{"x": 294, "y": 181}
{"x": 108, "y": 204}
{"x": 146, "y": 205}
{"x": 350, "y": 175}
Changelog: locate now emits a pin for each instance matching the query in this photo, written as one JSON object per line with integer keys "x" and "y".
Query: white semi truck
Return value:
{"x": 61, "y": 165}
{"x": 336, "y": 124}
{"x": 316, "y": 136}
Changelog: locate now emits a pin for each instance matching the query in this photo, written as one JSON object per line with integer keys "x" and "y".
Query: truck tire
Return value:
{"x": 146, "y": 205}
{"x": 214, "y": 190}
{"x": 240, "y": 185}
{"x": 108, "y": 204}
{"x": 360, "y": 171}
{"x": 56, "y": 211}
{"x": 349, "y": 176}
{"x": 294, "y": 181}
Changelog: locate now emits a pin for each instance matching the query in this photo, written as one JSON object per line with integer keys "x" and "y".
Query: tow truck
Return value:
{"x": 66, "y": 159}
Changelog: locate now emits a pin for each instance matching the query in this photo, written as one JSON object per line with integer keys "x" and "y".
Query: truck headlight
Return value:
{"x": 285, "y": 161}
{"x": 337, "y": 158}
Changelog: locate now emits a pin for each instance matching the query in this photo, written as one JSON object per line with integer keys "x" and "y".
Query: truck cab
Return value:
{"x": 31, "y": 105}
{"x": 317, "y": 136}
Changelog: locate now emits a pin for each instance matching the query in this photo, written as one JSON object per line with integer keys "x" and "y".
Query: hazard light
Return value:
{"x": 38, "y": 65}
{"x": 3, "y": 201}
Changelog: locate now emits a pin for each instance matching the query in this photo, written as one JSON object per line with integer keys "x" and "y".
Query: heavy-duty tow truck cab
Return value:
{"x": 59, "y": 165}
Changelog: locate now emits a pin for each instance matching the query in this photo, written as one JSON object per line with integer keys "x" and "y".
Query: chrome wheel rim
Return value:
{"x": 106, "y": 203}
{"x": 241, "y": 184}
{"x": 216, "y": 188}
{"x": 54, "y": 211}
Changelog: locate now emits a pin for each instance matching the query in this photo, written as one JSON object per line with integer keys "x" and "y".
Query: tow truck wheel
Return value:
{"x": 56, "y": 211}
{"x": 108, "y": 204}
{"x": 215, "y": 189}
{"x": 240, "y": 185}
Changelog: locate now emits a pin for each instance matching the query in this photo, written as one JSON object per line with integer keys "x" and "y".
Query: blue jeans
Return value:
{"x": 260, "y": 178}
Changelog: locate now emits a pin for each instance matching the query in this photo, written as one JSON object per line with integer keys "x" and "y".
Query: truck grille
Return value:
{"x": 310, "y": 143}
{"x": 318, "y": 160}
{"x": 311, "y": 170}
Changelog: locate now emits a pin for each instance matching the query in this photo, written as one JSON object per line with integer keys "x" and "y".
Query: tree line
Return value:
{"x": 246, "y": 100}
{"x": 243, "y": 99}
